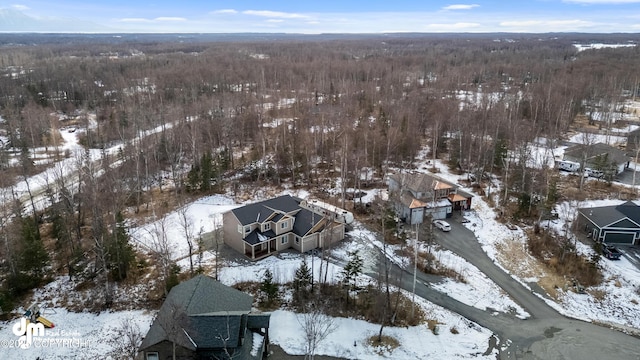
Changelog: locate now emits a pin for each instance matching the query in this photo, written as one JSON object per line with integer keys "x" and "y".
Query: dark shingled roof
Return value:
{"x": 260, "y": 211}
{"x": 258, "y": 321}
{"x": 200, "y": 298}
{"x": 253, "y": 237}
{"x": 211, "y": 332}
{"x": 305, "y": 220}
{"x": 607, "y": 215}
{"x": 594, "y": 150}
{"x": 630, "y": 210}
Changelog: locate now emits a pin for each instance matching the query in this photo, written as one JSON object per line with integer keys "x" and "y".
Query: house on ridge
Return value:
{"x": 418, "y": 195}
{"x": 264, "y": 228}
{"x": 204, "y": 319}
{"x": 616, "y": 224}
{"x": 599, "y": 157}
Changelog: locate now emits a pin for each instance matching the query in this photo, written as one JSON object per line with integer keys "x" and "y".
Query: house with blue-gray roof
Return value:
{"x": 264, "y": 228}
{"x": 614, "y": 224}
{"x": 203, "y": 319}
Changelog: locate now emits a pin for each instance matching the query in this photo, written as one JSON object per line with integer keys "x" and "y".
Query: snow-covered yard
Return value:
{"x": 417, "y": 342}
{"x": 75, "y": 335}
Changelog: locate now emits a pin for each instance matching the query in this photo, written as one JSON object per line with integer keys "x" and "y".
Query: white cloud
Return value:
{"x": 225, "y": 11}
{"x": 275, "y": 14}
{"x": 520, "y": 23}
{"x": 168, "y": 18}
{"x": 20, "y": 7}
{"x": 134, "y": 20}
{"x": 460, "y": 7}
{"x": 275, "y": 20}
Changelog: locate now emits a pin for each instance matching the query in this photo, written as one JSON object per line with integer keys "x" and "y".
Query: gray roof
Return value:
{"x": 630, "y": 210}
{"x": 261, "y": 211}
{"x": 420, "y": 182}
{"x": 203, "y": 302}
{"x": 606, "y": 215}
{"x": 258, "y": 321}
{"x": 594, "y": 150}
{"x": 217, "y": 331}
{"x": 305, "y": 220}
{"x": 253, "y": 238}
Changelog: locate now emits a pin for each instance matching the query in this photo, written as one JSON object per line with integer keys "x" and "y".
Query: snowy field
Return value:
{"x": 199, "y": 217}
{"x": 75, "y": 335}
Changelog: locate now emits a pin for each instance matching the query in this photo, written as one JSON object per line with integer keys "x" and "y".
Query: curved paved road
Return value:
{"x": 546, "y": 334}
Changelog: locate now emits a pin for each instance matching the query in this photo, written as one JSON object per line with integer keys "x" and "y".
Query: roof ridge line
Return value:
{"x": 195, "y": 287}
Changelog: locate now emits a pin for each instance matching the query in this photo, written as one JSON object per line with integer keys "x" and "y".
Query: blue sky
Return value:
{"x": 346, "y": 16}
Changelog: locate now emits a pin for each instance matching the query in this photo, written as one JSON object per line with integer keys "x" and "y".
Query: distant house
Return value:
{"x": 633, "y": 142}
{"x": 205, "y": 319}
{"x": 418, "y": 195}
{"x": 598, "y": 156}
{"x": 267, "y": 227}
{"x": 617, "y": 224}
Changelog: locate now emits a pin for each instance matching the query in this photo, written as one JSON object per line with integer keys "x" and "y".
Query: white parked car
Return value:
{"x": 442, "y": 225}
{"x": 593, "y": 173}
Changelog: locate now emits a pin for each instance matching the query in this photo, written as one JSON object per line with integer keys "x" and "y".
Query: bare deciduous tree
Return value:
{"x": 316, "y": 326}
{"x": 126, "y": 340}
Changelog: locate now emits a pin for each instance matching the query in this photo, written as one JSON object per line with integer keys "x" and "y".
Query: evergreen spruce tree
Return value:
{"x": 120, "y": 254}
{"x": 206, "y": 172}
{"x": 32, "y": 259}
{"x": 302, "y": 282}
{"x": 269, "y": 289}
{"x": 351, "y": 271}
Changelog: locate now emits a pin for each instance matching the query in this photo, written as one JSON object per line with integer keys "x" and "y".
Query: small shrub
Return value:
{"x": 599, "y": 295}
{"x": 432, "y": 324}
{"x": 454, "y": 330}
{"x": 385, "y": 346}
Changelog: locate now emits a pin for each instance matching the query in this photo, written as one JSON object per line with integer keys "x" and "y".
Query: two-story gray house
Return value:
{"x": 261, "y": 229}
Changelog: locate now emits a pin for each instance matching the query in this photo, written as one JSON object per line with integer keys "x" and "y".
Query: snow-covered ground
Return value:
{"x": 417, "y": 342}
{"x": 75, "y": 335}
{"x": 196, "y": 218}
{"x": 620, "y": 287}
{"x": 619, "y": 291}
{"x": 350, "y": 339}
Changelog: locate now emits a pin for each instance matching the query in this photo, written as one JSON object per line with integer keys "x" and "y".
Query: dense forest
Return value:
{"x": 195, "y": 115}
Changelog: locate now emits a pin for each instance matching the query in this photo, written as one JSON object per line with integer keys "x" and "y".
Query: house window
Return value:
{"x": 297, "y": 241}
{"x": 284, "y": 225}
{"x": 153, "y": 356}
{"x": 247, "y": 229}
{"x": 267, "y": 226}
{"x": 240, "y": 229}
{"x": 284, "y": 240}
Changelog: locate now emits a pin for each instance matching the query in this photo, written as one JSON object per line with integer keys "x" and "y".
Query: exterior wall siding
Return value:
{"x": 165, "y": 351}
{"x": 230, "y": 234}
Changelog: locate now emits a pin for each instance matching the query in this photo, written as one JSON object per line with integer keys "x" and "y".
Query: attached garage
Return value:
{"x": 617, "y": 224}
{"x": 619, "y": 238}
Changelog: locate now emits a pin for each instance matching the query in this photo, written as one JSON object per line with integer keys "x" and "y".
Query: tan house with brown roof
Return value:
{"x": 418, "y": 195}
